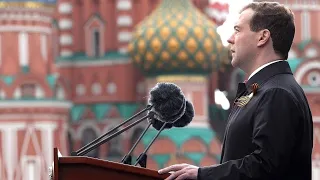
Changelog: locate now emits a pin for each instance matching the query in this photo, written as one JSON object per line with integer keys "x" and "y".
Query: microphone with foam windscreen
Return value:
{"x": 167, "y": 107}
{"x": 171, "y": 109}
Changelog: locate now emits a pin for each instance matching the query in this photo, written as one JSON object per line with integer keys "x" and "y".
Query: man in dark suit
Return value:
{"x": 269, "y": 135}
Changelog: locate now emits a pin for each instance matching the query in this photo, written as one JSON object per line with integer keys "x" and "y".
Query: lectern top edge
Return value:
{"x": 99, "y": 163}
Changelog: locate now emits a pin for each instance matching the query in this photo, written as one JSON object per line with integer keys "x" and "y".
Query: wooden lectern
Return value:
{"x": 84, "y": 168}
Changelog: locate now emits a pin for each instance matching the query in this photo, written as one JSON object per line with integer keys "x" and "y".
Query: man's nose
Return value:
{"x": 231, "y": 39}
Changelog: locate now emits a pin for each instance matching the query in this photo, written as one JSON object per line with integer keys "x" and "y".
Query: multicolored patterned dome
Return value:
{"x": 176, "y": 39}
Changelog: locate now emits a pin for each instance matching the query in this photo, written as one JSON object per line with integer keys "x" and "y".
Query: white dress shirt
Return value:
{"x": 261, "y": 67}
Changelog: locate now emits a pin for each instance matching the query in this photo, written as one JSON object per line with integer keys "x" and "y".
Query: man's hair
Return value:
{"x": 278, "y": 19}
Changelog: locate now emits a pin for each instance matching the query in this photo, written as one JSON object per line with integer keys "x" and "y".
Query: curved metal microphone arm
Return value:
{"x": 127, "y": 158}
{"x": 143, "y": 156}
{"x": 97, "y": 140}
{"x": 112, "y": 136}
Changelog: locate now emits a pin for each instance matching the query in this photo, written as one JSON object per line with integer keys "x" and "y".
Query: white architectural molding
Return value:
{"x": 305, "y": 68}
{"x": 66, "y": 53}
{"x": 124, "y": 5}
{"x": 2, "y": 94}
{"x": 39, "y": 92}
{"x": 9, "y": 16}
{"x": 44, "y": 47}
{"x": 4, "y": 104}
{"x": 65, "y": 8}
{"x": 123, "y": 50}
{"x": 47, "y": 139}
{"x": 299, "y": 7}
{"x": 39, "y": 117}
{"x": 9, "y": 146}
{"x": 124, "y": 20}
{"x": 23, "y": 49}
{"x": 66, "y": 39}
{"x": 19, "y": 28}
{"x": 124, "y": 36}
{"x": 65, "y": 24}
{"x": 16, "y": 93}
{"x": 316, "y": 119}
{"x": 305, "y": 20}
{"x": 0, "y": 52}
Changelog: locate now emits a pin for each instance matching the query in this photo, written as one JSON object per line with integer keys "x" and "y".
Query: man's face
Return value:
{"x": 243, "y": 41}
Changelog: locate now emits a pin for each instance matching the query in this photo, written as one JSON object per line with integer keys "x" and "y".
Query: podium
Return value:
{"x": 84, "y": 168}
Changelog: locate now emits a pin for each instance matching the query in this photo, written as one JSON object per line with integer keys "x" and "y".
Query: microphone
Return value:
{"x": 170, "y": 109}
{"x": 167, "y": 107}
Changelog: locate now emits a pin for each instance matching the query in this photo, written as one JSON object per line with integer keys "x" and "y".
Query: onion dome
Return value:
{"x": 176, "y": 39}
{"x": 27, "y": 3}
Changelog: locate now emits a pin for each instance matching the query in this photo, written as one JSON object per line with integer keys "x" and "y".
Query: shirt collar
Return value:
{"x": 261, "y": 67}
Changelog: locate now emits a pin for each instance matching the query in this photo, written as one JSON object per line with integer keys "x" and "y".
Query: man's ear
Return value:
{"x": 264, "y": 36}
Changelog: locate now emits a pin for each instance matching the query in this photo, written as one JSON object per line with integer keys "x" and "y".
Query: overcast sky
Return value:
{"x": 226, "y": 29}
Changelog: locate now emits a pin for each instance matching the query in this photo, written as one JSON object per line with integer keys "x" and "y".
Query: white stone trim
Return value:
{"x": 65, "y": 8}
{"x": 0, "y": 51}
{"x": 47, "y": 139}
{"x": 26, "y": 167}
{"x": 198, "y": 124}
{"x": 299, "y": 7}
{"x": 124, "y": 20}
{"x": 65, "y": 24}
{"x": 25, "y": 17}
{"x": 66, "y": 39}
{"x": 5, "y": 104}
{"x": 305, "y": 21}
{"x": 16, "y": 93}
{"x": 19, "y": 28}
{"x": 66, "y": 53}
{"x": 91, "y": 63}
{"x": 305, "y": 68}
{"x": 124, "y": 36}
{"x": 9, "y": 145}
{"x": 316, "y": 119}
{"x": 123, "y": 50}
{"x": 39, "y": 92}
{"x": 41, "y": 117}
{"x": 44, "y": 47}
{"x": 23, "y": 49}
{"x": 2, "y": 95}
{"x": 124, "y": 5}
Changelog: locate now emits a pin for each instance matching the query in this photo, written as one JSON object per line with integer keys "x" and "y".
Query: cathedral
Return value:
{"x": 72, "y": 70}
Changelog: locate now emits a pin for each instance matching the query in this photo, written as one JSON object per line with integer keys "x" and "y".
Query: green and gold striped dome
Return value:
{"x": 176, "y": 39}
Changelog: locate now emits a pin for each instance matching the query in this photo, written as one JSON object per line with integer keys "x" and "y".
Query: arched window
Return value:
{"x": 115, "y": 148}
{"x": 94, "y": 29}
{"x": 89, "y": 135}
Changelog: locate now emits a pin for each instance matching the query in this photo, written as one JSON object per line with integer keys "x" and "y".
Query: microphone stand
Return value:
{"x": 128, "y": 158}
{"x": 98, "y": 141}
{"x": 142, "y": 159}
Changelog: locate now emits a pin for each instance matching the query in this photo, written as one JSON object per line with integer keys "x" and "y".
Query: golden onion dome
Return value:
{"x": 176, "y": 39}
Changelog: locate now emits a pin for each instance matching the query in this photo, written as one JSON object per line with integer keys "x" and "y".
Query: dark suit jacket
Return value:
{"x": 272, "y": 136}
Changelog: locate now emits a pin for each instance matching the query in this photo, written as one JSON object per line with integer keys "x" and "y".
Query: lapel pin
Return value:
{"x": 244, "y": 100}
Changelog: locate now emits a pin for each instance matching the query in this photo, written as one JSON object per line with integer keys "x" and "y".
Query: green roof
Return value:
{"x": 294, "y": 63}
{"x": 7, "y": 79}
{"x": 180, "y": 135}
{"x": 81, "y": 56}
{"x": 100, "y": 110}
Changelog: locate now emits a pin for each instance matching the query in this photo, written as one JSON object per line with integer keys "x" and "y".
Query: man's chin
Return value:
{"x": 234, "y": 62}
